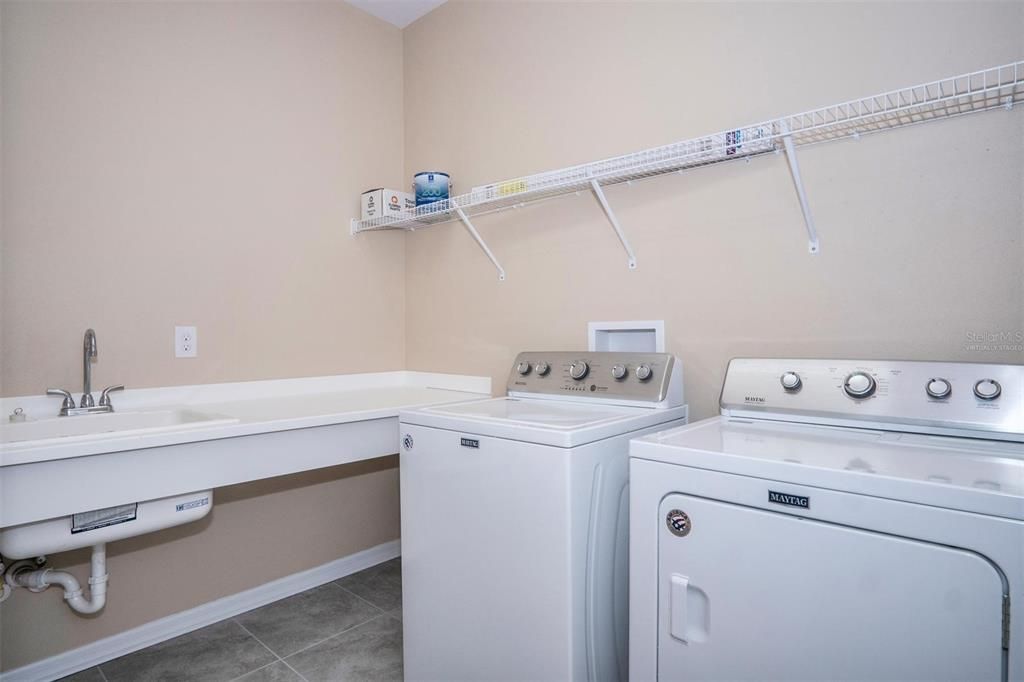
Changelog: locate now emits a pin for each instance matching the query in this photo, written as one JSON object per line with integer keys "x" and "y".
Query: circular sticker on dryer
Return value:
{"x": 407, "y": 442}
{"x": 678, "y": 523}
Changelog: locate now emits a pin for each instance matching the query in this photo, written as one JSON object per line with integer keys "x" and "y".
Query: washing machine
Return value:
{"x": 840, "y": 520}
{"x": 515, "y": 519}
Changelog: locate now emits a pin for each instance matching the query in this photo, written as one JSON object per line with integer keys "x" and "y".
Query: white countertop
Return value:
{"x": 246, "y": 408}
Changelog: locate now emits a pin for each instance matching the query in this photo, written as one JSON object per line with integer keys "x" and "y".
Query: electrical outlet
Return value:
{"x": 186, "y": 342}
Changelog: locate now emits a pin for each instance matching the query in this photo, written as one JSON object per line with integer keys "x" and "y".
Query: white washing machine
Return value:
{"x": 841, "y": 520}
{"x": 515, "y": 519}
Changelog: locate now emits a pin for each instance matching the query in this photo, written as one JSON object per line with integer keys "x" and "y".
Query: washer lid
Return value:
{"x": 980, "y": 476}
{"x": 547, "y": 422}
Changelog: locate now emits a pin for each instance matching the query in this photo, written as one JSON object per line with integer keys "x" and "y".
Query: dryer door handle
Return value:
{"x": 677, "y": 607}
{"x": 689, "y": 611}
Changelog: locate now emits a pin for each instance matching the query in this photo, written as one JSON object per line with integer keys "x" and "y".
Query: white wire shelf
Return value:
{"x": 1000, "y": 86}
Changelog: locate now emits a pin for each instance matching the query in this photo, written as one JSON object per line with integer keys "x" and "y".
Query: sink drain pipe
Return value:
{"x": 22, "y": 574}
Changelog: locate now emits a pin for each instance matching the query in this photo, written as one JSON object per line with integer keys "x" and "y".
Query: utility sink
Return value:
{"x": 107, "y": 425}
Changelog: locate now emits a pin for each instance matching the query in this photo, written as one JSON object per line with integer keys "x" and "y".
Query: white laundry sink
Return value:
{"x": 109, "y": 424}
{"x": 170, "y": 441}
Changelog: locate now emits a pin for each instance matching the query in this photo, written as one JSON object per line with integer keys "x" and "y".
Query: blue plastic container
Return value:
{"x": 431, "y": 186}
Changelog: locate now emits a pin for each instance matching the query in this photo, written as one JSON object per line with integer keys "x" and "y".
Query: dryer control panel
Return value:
{"x": 945, "y": 398}
{"x": 646, "y": 379}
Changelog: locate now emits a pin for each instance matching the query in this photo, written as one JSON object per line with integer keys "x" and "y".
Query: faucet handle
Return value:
{"x": 69, "y": 400}
{"x": 105, "y": 396}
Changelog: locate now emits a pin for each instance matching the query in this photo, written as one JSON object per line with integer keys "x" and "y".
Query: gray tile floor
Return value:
{"x": 349, "y": 629}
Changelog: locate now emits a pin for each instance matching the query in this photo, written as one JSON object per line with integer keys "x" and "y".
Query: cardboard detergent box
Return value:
{"x": 381, "y": 202}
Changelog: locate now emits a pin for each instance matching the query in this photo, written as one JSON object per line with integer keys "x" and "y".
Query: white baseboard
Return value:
{"x": 163, "y": 629}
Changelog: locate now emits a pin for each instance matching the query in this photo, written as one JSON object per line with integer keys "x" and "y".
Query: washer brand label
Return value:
{"x": 407, "y": 442}
{"x": 470, "y": 443}
{"x": 789, "y": 500}
{"x": 192, "y": 504}
{"x": 754, "y": 398}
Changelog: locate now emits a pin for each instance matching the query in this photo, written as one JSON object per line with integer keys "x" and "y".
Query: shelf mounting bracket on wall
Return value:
{"x": 601, "y": 199}
{"x": 794, "y": 170}
{"x": 479, "y": 240}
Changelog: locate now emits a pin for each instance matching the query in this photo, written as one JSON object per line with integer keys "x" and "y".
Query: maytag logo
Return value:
{"x": 470, "y": 443}
{"x": 789, "y": 500}
{"x": 754, "y": 398}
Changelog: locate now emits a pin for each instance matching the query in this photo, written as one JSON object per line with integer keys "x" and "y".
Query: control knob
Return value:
{"x": 791, "y": 381}
{"x": 859, "y": 385}
{"x": 542, "y": 368}
{"x": 938, "y": 388}
{"x": 523, "y": 368}
{"x": 643, "y": 372}
{"x": 619, "y": 372}
{"x": 579, "y": 369}
{"x": 987, "y": 389}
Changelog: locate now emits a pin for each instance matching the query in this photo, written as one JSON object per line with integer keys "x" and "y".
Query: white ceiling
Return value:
{"x": 401, "y": 13}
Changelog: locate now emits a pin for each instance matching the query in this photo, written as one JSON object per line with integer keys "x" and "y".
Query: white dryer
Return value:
{"x": 841, "y": 520}
{"x": 514, "y": 519}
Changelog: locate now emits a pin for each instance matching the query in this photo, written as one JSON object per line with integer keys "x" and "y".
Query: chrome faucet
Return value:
{"x": 87, "y": 405}
{"x": 88, "y": 354}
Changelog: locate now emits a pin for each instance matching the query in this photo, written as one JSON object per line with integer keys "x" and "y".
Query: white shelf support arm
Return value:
{"x": 794, "y": 170}
{"x": 599, "y": 193}
{"x": 479, "y": 241}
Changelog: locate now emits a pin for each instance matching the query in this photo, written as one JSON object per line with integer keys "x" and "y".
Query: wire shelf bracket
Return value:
{"x": 813, "y": 245}
{"x": 603, "y": 200}
{"x": 479, "y": 241}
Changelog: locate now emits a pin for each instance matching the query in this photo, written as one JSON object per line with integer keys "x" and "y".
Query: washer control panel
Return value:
{"x": 639, "y": 377}
{"x": 926, "y": 397}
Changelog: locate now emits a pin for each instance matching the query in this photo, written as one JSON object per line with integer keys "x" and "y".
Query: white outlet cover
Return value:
{"x": 186, "y": 342}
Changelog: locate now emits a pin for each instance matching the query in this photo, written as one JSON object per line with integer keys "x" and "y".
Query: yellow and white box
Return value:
{"x": 382, "y": 203}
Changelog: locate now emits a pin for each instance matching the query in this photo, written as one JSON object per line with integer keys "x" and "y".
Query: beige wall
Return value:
{"x": 197, "y": 164}
{"x": 174, "y": 163}
{"x": 921, "y": 229}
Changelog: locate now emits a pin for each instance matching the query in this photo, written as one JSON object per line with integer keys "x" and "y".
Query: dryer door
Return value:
{"x": 747, "y": 594}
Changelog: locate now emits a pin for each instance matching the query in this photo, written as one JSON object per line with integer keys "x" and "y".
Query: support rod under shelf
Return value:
{"x": 794, "y": 170}
{"x": 479, "y": 241}
{"x": 599, "y": 193}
